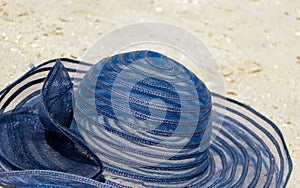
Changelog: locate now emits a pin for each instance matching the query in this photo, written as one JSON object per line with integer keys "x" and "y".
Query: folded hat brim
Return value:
{"x": 247, "y": 150}
{"x": 47, "y": 178}
{"x": 30, "y": 141}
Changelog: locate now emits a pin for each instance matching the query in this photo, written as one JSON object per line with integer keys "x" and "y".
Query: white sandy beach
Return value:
{"x": 255, "y": 43}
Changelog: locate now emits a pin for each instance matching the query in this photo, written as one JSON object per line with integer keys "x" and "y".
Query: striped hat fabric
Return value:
{"x": 136, "y": 119}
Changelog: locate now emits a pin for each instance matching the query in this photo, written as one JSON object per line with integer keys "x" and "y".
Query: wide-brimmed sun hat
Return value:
{"x": 136, "y": 119}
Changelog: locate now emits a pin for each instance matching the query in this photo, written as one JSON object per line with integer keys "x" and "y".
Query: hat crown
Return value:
{"x": 147, "y": 116}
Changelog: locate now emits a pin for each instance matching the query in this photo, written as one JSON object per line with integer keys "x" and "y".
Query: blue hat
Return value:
{"x": 137, "y": 119}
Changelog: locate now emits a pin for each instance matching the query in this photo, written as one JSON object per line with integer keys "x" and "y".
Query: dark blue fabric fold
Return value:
{"x": 39, "y": 137}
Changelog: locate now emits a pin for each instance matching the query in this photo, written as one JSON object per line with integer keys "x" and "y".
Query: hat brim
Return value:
{"x": 30, "y": 141}
{"x": 247, "y": 150}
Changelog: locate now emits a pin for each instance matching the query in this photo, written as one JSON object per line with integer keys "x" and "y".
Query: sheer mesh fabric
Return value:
{"x": 42, "y": 143}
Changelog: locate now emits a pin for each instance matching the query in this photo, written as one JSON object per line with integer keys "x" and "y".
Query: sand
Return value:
{"x": 255, "y": 43}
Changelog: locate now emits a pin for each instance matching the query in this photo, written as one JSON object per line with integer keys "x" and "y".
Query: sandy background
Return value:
{"x": 255, "y": 43}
